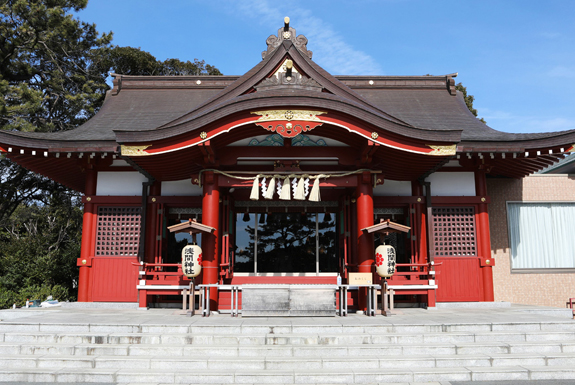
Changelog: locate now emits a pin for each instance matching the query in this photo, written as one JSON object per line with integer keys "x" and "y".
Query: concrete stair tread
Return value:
{"x": 306, "y": 346}
{"x": 330, "y": 375}
{"x": 258, "y": 351}
{"x": 291, "y": 326}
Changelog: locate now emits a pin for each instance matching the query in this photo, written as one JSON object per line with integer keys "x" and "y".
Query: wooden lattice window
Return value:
{"x": 454, "y": 232}
{"x": 118, "y": 231}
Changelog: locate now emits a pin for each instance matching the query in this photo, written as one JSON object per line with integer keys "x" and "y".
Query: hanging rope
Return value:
{"x": 300, "y": 182}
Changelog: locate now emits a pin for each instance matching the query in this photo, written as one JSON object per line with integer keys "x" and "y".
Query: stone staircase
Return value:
{"x": 226, "y": 350}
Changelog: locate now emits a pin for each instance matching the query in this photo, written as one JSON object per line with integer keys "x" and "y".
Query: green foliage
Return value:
{"x": 127, "y": 61}
{"x": 8, "y": 298}
{"x": 469, "y": 99}
{"x": 53, "y": 71}
{"x": 178, "y": 67}
{"x": 47, "y": 82}
{"x": 134, "y": 61}
{"x": 39, "y": 245}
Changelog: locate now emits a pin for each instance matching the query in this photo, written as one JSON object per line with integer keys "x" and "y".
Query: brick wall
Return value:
{"x": 535, "y": 289}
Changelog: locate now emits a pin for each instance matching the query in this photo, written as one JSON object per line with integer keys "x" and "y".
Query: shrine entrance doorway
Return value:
{"x": 296, "y": 240}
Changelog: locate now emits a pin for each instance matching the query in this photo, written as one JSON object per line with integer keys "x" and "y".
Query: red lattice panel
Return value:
{"x": 454, "y": 232}
{"x": 118, "y": 231}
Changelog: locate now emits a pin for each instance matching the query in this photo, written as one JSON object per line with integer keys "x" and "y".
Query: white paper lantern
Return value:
{"x": 385, "y": 261}
{"x": 192, "y": 261}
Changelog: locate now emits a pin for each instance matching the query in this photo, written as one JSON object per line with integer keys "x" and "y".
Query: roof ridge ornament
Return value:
{"x": 287, "y": 33}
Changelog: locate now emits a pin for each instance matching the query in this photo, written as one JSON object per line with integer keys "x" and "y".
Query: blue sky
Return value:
{"x": 516, "y": 57}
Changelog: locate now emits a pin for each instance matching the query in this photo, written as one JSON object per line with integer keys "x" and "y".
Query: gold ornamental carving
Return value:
{"x": 374, "y": 135}
{"x": 303, "y": 115}
{"x": 442, "y": 150}
{"x": 135, "y": 150}
{"x": 203, "y": 135}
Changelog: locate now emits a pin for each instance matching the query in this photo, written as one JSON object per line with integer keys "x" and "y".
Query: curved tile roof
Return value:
{"x": 157, "y": 105}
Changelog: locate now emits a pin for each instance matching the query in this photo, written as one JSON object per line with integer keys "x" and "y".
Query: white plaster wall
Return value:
{"x": 181, "y": 188}
{"x": 120, "y": 163}
{"x": 121, "y": 183}
{"x": 452, "y": 183}
{"x": 393, "y": 188}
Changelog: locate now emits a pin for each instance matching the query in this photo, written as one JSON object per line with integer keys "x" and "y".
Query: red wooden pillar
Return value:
{"x": 483, "y": 237}
{"x": 153, "y": 228}
{"x": 421, "y": 234}
{"x": 365, "y": 249}
{"x": 210, "y": 217}
{"x": 87, "y": 247}
{"x": 421, "y": 225}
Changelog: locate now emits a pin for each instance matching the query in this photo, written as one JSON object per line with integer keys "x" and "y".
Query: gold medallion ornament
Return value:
{"x": 374, "y": 135}
{"x": 305, "y": 115}
{"x": 289, "y": 123}
{"x": 134, "y": 150}
{"x": 442, "y": 150}
{"x": 203, "y": 135}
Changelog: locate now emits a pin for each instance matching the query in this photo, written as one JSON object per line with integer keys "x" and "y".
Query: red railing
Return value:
{"x": 162, "y": 273}
{"x": 411, "y": 274}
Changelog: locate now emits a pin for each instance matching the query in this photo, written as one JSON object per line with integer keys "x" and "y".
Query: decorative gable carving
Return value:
{"x": 287, "y": 33}
{"x": 282, "y": 80}
{"x": 287, "y": 76}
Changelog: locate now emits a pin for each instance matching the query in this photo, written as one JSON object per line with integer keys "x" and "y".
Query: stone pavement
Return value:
{"x": 111, "y": 313}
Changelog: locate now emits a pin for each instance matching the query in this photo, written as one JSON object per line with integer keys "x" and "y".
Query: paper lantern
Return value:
{"x": 385, "y": 261}
{"x": 192, "y": 261}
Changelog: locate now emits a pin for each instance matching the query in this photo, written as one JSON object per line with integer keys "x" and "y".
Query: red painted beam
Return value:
{"x": 111, "y": 200}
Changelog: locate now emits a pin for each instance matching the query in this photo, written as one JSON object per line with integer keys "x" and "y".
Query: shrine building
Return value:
{"x": 288, "y": 164}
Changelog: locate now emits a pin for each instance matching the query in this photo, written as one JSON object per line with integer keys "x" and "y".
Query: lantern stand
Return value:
{"x": 192, "y": 227}
{"x": 386, "y": 227}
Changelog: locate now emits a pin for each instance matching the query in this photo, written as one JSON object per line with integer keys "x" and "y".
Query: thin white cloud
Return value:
{"x": 562, "y": 72}
{"x": 552, "y": 124}
{"x": 330, "y": 50}
{"x": 509, "y": 122}
{"x": 550, "y": 35}
{"x": 259, "y": 10}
